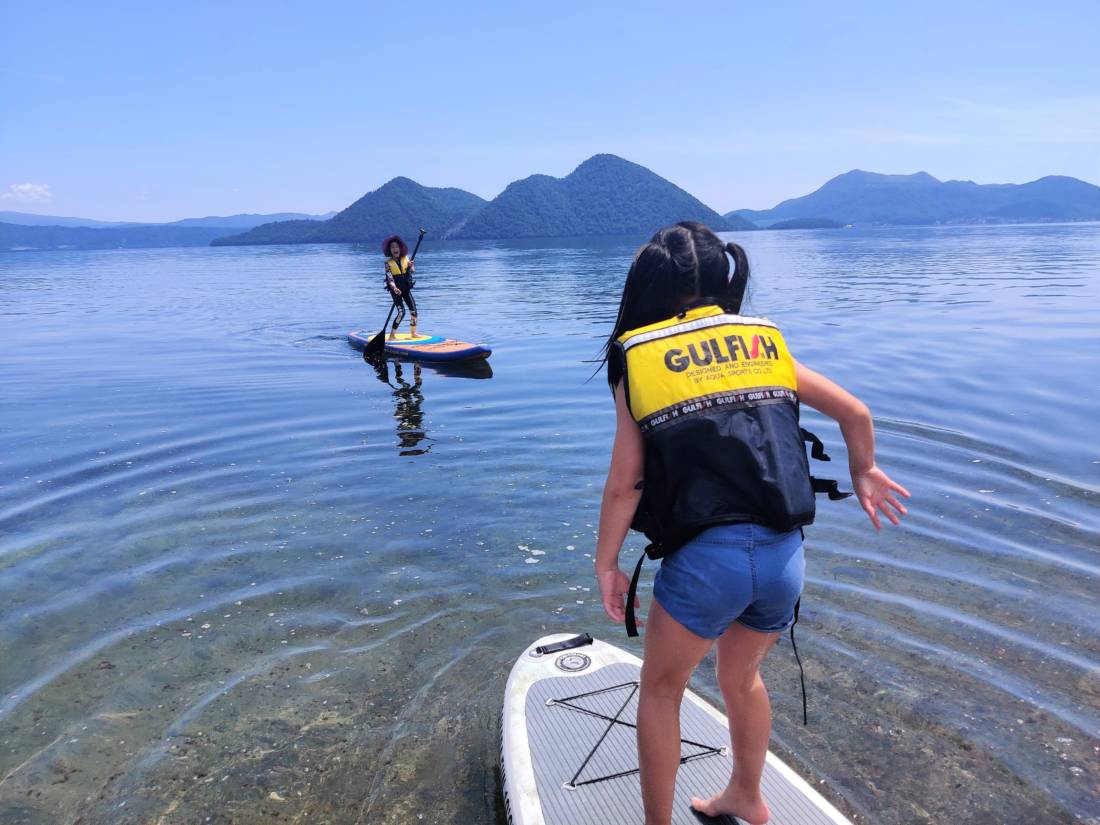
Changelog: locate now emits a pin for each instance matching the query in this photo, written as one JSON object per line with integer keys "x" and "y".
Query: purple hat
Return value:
{"x": 386, "y": 245}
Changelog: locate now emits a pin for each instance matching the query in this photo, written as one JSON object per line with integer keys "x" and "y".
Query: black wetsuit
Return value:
{"x": 405, "y": 284}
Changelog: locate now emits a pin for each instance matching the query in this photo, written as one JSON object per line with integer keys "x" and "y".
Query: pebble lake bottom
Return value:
{"x": 245, "y": 577}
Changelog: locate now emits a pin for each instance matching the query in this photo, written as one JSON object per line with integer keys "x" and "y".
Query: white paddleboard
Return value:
{"x": 568, "y": 745}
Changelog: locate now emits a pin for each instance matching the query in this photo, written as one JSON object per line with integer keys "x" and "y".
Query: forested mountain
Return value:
{"x": 605, "y": 195}
{"x": 400, "y": 206}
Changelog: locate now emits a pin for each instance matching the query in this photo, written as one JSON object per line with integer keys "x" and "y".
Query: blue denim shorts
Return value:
{"x": 743, "y": 573}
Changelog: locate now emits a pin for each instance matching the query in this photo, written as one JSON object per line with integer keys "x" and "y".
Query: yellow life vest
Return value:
{"x": 716, "y": 398}
{"x": 398, "y": 268}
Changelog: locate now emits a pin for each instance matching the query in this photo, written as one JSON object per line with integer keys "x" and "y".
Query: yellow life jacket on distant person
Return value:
{"x": 398, "y": 268}
{"x": 716, "y": 398}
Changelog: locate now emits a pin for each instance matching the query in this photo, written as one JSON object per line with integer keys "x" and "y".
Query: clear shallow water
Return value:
{"x": 243, "y": 574}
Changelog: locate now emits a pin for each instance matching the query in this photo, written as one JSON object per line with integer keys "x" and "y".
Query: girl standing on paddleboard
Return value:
{"x": 710, "y": 462}
{"x": 399, "y": 281}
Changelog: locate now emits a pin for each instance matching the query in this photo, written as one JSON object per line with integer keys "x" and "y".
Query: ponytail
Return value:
{"x": 681, "y": 263}
{"x": 739, "y": 279}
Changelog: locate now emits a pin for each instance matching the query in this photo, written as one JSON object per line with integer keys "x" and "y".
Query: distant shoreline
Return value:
{"x": 565, "y": 241}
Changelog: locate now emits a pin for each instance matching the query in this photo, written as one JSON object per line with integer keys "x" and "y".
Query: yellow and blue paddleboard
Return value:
{"x": 422, "y": 347}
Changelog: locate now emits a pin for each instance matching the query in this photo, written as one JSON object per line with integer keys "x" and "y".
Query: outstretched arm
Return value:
{"x": 621, "y": 494}
{"x": 875, "y": 490}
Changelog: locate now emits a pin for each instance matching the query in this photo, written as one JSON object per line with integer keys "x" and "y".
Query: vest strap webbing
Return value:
{"x": 801, "y": 672}
{"x": 631, "y": 594}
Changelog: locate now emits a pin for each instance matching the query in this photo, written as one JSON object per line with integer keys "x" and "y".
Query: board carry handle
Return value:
{"x": 568, "y": 644}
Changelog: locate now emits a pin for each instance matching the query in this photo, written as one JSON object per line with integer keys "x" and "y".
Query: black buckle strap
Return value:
{"x": 829, "y": 485}
{"x": 817, "y": 448}
{"x": 817, "y": 452}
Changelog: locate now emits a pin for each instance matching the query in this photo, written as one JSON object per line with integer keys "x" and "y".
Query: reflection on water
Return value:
{"x": 407, "y": 404}
{"x": 408, "y": 395}
{"x": 408, "y": 399}
{"x": 224, "y": 594}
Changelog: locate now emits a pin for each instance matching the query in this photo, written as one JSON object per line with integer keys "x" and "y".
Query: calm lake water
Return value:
{"x": 244, "y": 575}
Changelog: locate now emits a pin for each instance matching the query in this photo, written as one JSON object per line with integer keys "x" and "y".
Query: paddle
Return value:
{"x": 376, "y": 344}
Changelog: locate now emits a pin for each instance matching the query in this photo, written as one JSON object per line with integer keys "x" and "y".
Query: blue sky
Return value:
{"x": 158, "y": 111}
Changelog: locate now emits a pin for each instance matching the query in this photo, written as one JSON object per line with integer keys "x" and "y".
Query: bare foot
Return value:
{"x": 751, "y": 809}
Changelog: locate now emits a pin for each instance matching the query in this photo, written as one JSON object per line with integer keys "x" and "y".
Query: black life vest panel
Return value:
{"x": 399, "y": 270}
{"x": 716, "y": 398}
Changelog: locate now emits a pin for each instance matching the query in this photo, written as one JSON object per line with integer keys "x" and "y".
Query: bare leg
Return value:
{"x": 671, "y": 654}
{"x": 740, "y": 653}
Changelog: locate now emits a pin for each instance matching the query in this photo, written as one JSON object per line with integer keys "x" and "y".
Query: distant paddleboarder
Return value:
{"x": 400, "y": 282}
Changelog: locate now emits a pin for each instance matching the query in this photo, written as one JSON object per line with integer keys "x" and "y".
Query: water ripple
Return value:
{"x": 213, "y": 439}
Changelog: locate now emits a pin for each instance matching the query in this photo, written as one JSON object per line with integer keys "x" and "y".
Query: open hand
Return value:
{"x": 396, "y": 292}
{"x": 614, "y": 585}
{"x": 875, "y": 491}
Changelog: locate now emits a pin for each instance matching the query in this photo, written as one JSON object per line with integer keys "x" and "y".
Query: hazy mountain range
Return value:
{"x": 605, "y": 195}
{"x": 243, "y": 221}
{"x": 138, "y": 236}
{"x": 23, "y": 230}
{"x": 859, "y": 197}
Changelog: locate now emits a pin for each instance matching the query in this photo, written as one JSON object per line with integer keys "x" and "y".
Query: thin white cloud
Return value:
{"x": 897, "y": 137}
{"x": 1051, "y": 120}
{"x": 28, "y": 192}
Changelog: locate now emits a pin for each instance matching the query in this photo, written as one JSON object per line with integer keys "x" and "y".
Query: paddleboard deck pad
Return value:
{"x": 569, "y": 754}
{"x": 423, "y": 347}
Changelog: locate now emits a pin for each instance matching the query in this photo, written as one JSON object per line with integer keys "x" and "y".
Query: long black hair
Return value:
{"x": 680, "y": 265}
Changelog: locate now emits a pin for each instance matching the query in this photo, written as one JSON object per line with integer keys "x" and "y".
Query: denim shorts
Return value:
{"x": 743, "y": 573}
